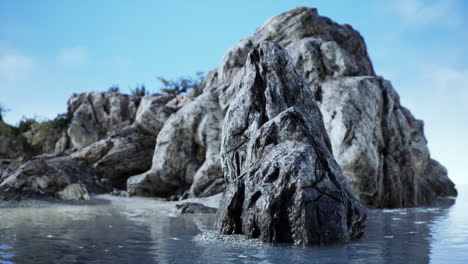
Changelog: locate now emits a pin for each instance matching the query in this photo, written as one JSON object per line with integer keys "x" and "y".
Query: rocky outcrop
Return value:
{"x": 378, "y": 143}
{"x": 116, "y": 158}
{"x": 11, "y": 148}
{"x": 48, "y": 175}
{"x": 152, "y": 113}
{"x": 283, "y": 184}
{"x": 108, "y": 141}
{"x": 188, "y": 143}
{"x": 97, "y": 113}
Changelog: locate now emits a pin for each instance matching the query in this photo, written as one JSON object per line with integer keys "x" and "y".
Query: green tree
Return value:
{"x": 3, "y": 110}
{"x": 139, "y": 91}
{"x": 181, "y": 85}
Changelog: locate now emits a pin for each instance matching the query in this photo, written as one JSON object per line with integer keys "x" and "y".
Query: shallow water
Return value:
{"x": 149, "y": 232}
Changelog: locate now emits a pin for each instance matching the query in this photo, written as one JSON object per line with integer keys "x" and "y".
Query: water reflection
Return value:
{"x": 149, "y": 233}
{"x": 450, "y": 233}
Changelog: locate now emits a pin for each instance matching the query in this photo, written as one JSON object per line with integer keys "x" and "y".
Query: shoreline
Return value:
{"x": 102, "y": 200}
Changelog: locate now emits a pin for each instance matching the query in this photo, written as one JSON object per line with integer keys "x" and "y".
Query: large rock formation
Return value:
{"x": 126, "y": 147}
{"x": 378, "y": 143}
{"x": 283, "y": 184}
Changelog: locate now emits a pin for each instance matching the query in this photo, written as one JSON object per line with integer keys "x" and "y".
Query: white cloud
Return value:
{"x": 449, "y": 82}
{"x": 423, "y": 12}
{"x": 14, "y": 66}
{"x": 77, "y": 55}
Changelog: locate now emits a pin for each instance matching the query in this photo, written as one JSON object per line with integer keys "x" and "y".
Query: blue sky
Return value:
{"x": 51, "y": 49}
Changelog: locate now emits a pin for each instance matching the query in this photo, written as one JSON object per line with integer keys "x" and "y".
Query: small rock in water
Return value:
{"x": 195, "y": 208}
{"x": 74, "y": 191}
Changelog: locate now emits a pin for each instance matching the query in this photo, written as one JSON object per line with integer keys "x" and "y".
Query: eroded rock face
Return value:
{"x": 378, "y": 143}
{"x": 152, "y": 113}
{"x": 97, "y": 113}
{"x": 283, "y": 184}
{"x": 387, "y": 161}
{"x": 188, "y": 142}
{"x": 116, "y": 158}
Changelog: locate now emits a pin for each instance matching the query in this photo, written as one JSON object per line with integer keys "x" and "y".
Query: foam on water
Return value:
{"x": 213, "y": 238}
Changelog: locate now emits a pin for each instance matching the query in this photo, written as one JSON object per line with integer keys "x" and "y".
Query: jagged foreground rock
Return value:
{"x": 283, "y": 184}
{"x": 378, "y": 143}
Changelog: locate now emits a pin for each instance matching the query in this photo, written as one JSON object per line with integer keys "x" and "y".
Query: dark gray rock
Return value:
{"x": 283, "y": 184}
{"x": 11, "y": 148}
{"x": 116, "y": 158}
{"x": 194, "y": 208}
{"x": 47, "y": 175}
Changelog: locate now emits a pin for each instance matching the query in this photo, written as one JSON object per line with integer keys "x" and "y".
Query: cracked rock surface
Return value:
{"x": 48, "y": 175}
{"x": 283, "y": 184}
{"x": 96, "y": 113}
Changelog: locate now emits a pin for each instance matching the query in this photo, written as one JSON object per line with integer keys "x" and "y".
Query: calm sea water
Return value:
{"x": 150, "y": 233}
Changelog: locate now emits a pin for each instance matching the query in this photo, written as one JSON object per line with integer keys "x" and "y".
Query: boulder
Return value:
{"x": 152, "y": 113}
{"x": 116, "y": 158}
{"x": 283, "y": 184}
{"x": 379, "y": 144}
{"x": 74, "y": 192}
{"x": 194, "y": 208}
{"x": 187, "y": 143}
{"x": 97, "y": 113}
{"x": 47, "y": 175}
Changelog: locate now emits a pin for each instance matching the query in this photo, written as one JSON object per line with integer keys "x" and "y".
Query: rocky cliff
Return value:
{"x": 378, "y": 143}
{"x": 168, "y": 146}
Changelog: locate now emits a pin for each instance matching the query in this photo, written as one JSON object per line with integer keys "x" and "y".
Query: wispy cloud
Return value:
{"x": 14, "y": 66}
{"x": 77, "y": 55}
{"x": 423, "y": 12}
{"x": 449, "y": 81}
